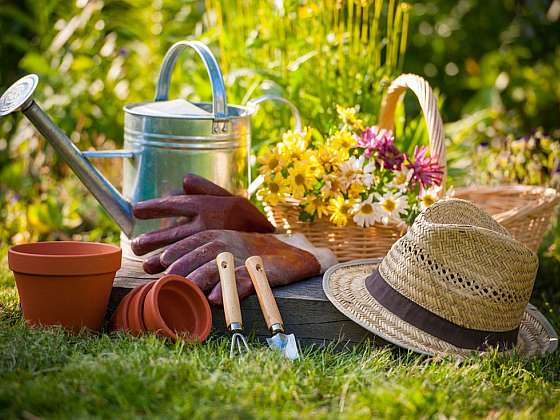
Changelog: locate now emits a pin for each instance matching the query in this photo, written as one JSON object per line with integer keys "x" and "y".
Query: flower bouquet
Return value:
{"x": 354, "y": 190}
{"x": 357, "y": 175}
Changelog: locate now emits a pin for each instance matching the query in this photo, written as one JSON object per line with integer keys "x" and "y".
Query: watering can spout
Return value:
{"x": 18, "y": 97}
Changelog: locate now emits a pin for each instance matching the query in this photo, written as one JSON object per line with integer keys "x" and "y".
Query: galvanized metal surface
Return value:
{"x": 159, "y": 149}
{"x": 18, "y": 96}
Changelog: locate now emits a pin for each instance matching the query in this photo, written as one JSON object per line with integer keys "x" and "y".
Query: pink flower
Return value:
{"x": 425, "y": 169}
{"x": 382, "y": 142}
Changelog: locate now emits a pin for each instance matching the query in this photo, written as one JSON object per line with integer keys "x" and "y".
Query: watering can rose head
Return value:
{"x": 358, "y": 174}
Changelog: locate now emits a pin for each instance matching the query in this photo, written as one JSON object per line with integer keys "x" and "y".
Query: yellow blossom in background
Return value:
{"x": 342, "y": 140}
{"x": 275, "y": 189}
{"x": 300, "y": 180}
{"x": 349, "y": 117}
{"x": 298, "y": 139}
{"x": 315, "y": 203}
{"x": 294, "y": 144}
{"x": 340, "y": 209}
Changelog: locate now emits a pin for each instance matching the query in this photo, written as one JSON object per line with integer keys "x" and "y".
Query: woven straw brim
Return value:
{"x": 344, "y": 285}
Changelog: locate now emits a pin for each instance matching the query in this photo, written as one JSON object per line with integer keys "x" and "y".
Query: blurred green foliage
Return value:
{"x": 316, "y": 54}
{"x": 499, "y": 55}
{"x": 94, "y": 56}
{"x": 495, "y": 67}
{"x": 532, "y": 160}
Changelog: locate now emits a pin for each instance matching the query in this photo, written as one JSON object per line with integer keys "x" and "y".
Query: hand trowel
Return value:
{"x": 286, "y": 343}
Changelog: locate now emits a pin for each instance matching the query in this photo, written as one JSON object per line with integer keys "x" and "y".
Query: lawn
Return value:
{"x": 47, "y": 373}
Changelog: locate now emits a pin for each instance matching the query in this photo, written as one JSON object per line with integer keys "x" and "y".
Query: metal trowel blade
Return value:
{"x": 286, "y": 343}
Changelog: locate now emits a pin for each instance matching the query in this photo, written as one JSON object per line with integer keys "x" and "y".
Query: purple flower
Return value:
{"x": 425, "y": 169}
{"x": 382, "y": 142}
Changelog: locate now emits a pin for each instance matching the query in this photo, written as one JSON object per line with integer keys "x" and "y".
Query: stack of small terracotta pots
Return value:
{"x": 171, "y": 306}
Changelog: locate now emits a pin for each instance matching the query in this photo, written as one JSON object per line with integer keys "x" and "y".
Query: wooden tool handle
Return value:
{"x": 226, "y": 268}
{"x": 255, "y": 267}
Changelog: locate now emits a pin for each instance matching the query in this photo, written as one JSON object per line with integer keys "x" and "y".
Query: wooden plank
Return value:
{"x": 304, "y": 307}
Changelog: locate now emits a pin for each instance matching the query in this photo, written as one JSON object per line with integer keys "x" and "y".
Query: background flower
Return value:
{"x": 366, "y": 181}
{"x": 299, "y": 179}
{"x": 426, "y": 170}
{"x": 340, "y": 208}
{"x": 364, "y": 213}
{"x": 275, "y": 190}
{"x": 382, "y": 143}
{"x": 390, "y": 206}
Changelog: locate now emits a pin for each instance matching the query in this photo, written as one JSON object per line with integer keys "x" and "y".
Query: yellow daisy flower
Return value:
{"x": 340, "y": 209}
{"x": 300, "y": 179}
{"x": 274, "y": 190}
{"x": 271, "y": 161}
{"x": 356, "y": 188}
{"x": 291, "y": 152}
{"x": 313, "y": 164}
{"x": 330, "y": 157}
{"x": 349, "y": 117}
{"x": 314, "y": 203}
{"x": 295, "y": 143}
{"x": 342, "y": 140}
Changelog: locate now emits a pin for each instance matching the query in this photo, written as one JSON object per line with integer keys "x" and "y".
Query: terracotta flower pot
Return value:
{"x": 65, "y": 283}
{"x": 120, "y": 316}
{"x": 135, "y": 311}
{"x": 176, "y": 307}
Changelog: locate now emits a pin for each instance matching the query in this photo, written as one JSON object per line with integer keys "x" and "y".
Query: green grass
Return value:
{"x": 47, "y": 373}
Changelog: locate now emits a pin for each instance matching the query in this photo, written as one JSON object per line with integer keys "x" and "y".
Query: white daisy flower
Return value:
{"x": 429, "y": 196}
{"x": 390, "y": 206}
{"x": 402, "y": 179}
{"x": 368, "y": 174}
{"x": 350, "y": 171}
{"x": 364, "y": 213}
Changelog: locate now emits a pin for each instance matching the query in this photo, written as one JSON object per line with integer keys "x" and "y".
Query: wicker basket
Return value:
{"x": 526, "y": 211}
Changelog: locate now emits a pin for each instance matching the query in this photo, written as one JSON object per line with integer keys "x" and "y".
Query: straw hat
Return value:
{"x": 457, "y": 282}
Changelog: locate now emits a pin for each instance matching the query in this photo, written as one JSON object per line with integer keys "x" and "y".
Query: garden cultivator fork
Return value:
{"x": 232, "y": 309}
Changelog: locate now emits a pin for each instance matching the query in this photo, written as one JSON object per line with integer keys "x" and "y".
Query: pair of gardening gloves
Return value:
{"x": 211, "y": 221}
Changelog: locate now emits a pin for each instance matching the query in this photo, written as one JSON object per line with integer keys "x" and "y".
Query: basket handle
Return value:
{"x": 428, "y": 103}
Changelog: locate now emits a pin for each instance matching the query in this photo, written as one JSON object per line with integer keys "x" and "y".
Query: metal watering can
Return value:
{"x": 163, "y": 141}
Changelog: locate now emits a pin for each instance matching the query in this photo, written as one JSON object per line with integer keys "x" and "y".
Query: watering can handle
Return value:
{"x": 219, "y": 99}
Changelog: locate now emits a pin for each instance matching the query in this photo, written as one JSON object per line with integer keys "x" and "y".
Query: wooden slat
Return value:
{"x": 304, "y": 307}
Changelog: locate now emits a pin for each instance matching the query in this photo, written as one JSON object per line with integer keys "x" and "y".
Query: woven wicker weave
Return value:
{"x": 460, "y": 265}
{"x": 525, "y": 211}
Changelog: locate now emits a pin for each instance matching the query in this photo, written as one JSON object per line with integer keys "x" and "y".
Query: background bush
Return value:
{"x": 494, "y": 64}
